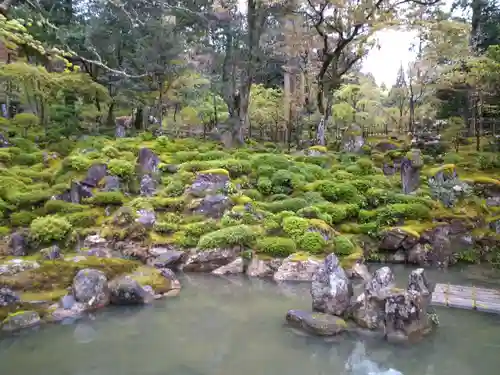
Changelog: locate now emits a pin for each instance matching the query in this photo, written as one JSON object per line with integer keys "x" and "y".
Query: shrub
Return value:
{"x": 295, "y": 226}
{"x": 54, "y": 206}
{"x": 312, "y": 242}
{"x": 22, "y": 218}
{"x": 107, "y": 198}
{"x": 78, "y": 163}
{"x": 174, "y": 188}
{"x": 51, "y": 228}
{"x": 239, "y": 235}
{"x": 30, "y": 199}
{"x": 175, "y": 204}
{"x": 198, "y": 229}
{"x": 335, "y": 192}
{"x": 28, "y": 159}
{"x": 111, "y": 152}
{"x": 121, "y": 168}
{"x": 276, "y": 246}
{"x": 291, "y": 204}
{"x": 4, "y": 231}
{"x": 165, "y": 227}
{"x": 253, "y": 194}
{"x": 343, "y": 245}
{"x": 84, "y": 219}
{"x": 264, "y": 186}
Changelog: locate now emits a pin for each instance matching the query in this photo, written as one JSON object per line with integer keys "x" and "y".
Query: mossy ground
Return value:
{"x": 283, "y": 202}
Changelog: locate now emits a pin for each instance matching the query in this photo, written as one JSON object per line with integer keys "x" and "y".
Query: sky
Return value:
{"x": 385, "y": 61}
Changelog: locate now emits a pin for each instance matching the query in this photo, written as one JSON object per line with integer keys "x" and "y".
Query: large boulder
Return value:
{"x": 410, "y": 176}
{"x": 368, "y": 310}
{"x": 233, "y": 268}
{"x": 20, "y": 320}
{"x": 90, "y": 286}
{"x": 408, "y": 312}
{"x": 112, "y": 183}
{"x": 316, "y": 323}
{"x": 212, "y": 206}
{"x": 210, "y": 183}
{"x": 148, "y": 161}
{"x": 297, "y": 267}
{"x": 209, "y": 260}
{"x": 17, "y": 244}
{"x": 95, "y": 174}
{"x": 331, "y": 289}
{"x": 127, "y": 291}
{"x": 161, "y": 257}
{"x": 147, "y": 186}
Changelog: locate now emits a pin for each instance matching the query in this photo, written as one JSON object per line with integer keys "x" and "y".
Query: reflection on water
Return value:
{"x": 228, "y": 326}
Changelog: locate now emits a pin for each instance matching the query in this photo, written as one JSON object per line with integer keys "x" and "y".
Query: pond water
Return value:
{"x": 221, "y": 326}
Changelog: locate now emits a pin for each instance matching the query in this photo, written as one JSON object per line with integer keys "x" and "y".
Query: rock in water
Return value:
{"x": 407, "y": 312}
{"x": 316, "y": 323}
{"x": 331, "y": 289}
{"x": 91, "y": 287}
{"x": 20, "y": 320}
{"x": 297, "y": 268}
{"x": 127, "y": 291}
{"x": 368, "y": 310}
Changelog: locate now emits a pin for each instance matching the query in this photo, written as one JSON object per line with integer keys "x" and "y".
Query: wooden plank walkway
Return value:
{"x": 466, "y": 297}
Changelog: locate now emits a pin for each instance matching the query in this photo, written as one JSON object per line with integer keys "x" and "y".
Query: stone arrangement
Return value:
{"x": 398, "y": 315}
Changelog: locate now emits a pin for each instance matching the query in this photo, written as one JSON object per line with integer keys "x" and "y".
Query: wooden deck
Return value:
{"x": 466, "y": 297}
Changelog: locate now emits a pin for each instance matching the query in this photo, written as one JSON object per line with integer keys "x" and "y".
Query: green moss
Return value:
{"x": 54, "y": 206}
{"x": 321, "y": 149}
{"x": 312, "y": 242}
{"x": 295, "y": 226}
{"x": 303, "y": 256}
{"x": 22, "y": 218}
{"x": 239, "y": 235}
{"x": 47, "y": 229}
{"x": 343, "y": 246}
{"x": 107, "y": 198}
{"x": 446, "y": 168}
{"x": 276, "y": 246}
{"x": 152, "y": 277}
{"x": 485, "y": 180}
{"x": 57, "y": 275}
{"x": 215, "y": 171}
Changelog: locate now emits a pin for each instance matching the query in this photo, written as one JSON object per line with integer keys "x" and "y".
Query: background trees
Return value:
{"x": 200, "y": 66}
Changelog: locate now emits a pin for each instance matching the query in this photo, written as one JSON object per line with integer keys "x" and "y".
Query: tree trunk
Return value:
{"x": 138, "y": 120}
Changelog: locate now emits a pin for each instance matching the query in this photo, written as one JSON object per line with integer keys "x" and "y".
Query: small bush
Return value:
{"x": 111, "y": 152}
{"x": 240, "y": 235}
{"x": 84, "y": 219}
{"x": 165, "y": 227}
{"x": 22, "y": 218}
{"x": 107, "y": 198}
{"x": 121, "y": 168}
{"x": 343, "y": 246}
{"x": 78, "y": 163}
{"x": 54, "y": 206}
{"x": 276, "y": 246}
{"x": 174, "y": 188}
{"x": 51, "y": 228}
{"x": 312, "y": 242}
{"x": 291, "y": 204}
{"x": 295, "y": 226}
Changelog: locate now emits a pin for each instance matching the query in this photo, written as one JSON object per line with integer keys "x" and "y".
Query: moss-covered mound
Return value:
{"x": 267, "y": 201}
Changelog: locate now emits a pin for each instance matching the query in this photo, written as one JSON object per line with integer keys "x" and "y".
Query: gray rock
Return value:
{"x": 209, "y": 184}
{"x": 146, "y": 218}
{"x": 21, "y": 320}
{"x": 67, "y": 302}
{"x": 95, "y": 174}
{"x": 17, "y": 244}
{"x": 259, "y": 268}
{"x": 120, "y": 131}
{"x": 316, "y": 323}
{"x": 147, "y": 186}
{"x": 99, "y": 252}
{"x": 410, "y": 176}
{"x": 166, "y": 258}
{"x": 407, "y": 312}
{"x": 331, "y": 289}
{"x": 295, "y": 268}
{"x": 393, "y": 239}
{"x": 209, "y": 260}
{"x": 148, "y": 161}
{"x": 212, "y": 206}
{"x": 94, "y": 241}
{"x": 8, "y": 297}
{"x": 51, "y": 253}
{"x": 417, "y": 255}
{"x": 111, "y": 183}
{"x": 389, "y": 170}
{"x": 368, "y": 310}
{"x": 235, "y": 267}
{"x": 127, "y": 291}
{"x": 90, "y": 286}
